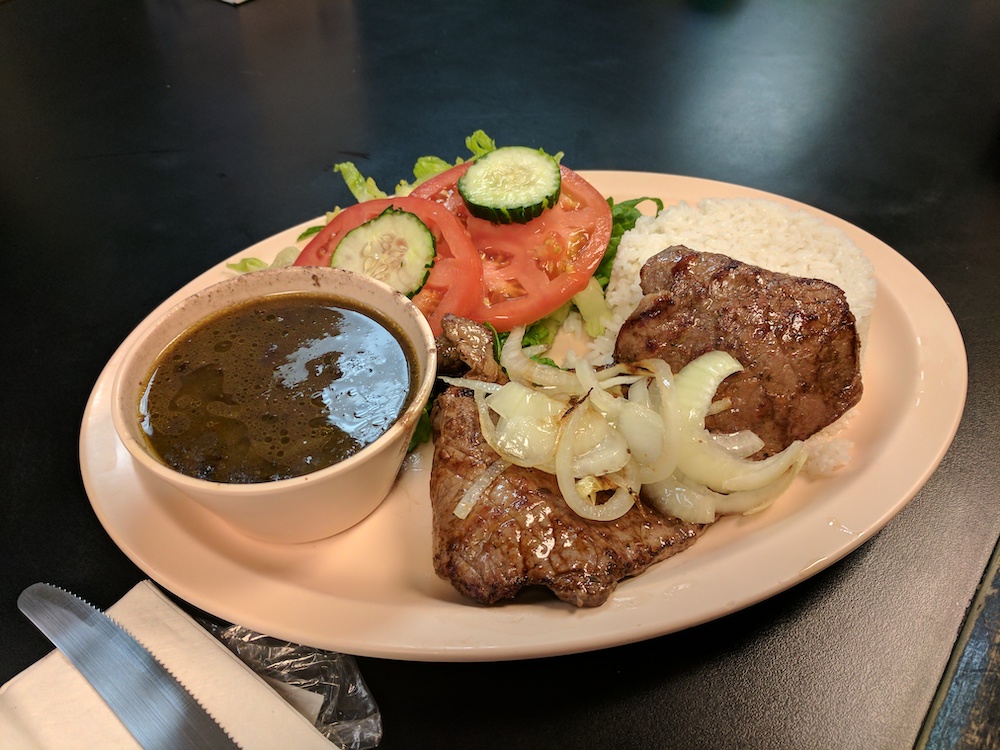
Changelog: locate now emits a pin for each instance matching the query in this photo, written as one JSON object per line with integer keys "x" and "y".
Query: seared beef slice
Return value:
{"x": 520, "y": 533}
{"x": 795, "y": 337}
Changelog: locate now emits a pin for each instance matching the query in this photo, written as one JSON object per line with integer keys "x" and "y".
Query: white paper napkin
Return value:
{"x": 50, "y": 705}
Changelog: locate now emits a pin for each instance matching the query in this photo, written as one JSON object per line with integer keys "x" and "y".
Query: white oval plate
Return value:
{"x": 372, "y": 591}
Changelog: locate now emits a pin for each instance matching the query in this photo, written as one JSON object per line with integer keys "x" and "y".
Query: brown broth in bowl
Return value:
{"x": 276, "y": 388}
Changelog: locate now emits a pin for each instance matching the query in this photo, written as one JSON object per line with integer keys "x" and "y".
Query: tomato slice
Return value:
{"x": 455, "y": 281}
{"x": 532, "y": 269}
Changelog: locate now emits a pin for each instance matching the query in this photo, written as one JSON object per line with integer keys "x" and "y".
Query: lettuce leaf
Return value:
{"x": 285, "y": 257}
{"x": 429, "y": 166}
{"x": 544, "y": 331}
{"x": 592, "y": 306}
{"x": 362, "y": 188}
{"x": 623, "y": 218}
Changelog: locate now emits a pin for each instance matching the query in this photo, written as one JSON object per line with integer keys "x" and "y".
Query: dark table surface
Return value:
{"x": 143, "y": 142}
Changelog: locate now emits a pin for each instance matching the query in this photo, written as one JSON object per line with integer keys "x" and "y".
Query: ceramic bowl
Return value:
{"x": 298, "y": 509}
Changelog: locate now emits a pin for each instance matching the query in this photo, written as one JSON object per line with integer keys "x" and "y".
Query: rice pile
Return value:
{"x": 760, "y": 232}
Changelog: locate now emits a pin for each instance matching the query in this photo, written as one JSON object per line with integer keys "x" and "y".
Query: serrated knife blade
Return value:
{"x": 156, "y": 709}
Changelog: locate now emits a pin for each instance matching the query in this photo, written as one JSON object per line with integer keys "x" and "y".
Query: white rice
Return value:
{"x": 760, "y": 232}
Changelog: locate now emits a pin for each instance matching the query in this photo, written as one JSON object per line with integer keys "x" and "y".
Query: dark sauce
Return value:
{"x": 276, "y": 388}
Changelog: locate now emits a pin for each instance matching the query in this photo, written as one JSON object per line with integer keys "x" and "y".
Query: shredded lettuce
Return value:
{"x": 284, "y": 258}
{"x": 429, "y": 166}
{"x": 593, "y": 308}
{"x": 309, "y": 232}
{"x": 479, "y": 144}
{"x": 543, "y": 332}
{"x": 361, "y": 187}
{"x": 423, "y": 431}
{"x": 248, "y": 265}
{"x": 623, "y": 218}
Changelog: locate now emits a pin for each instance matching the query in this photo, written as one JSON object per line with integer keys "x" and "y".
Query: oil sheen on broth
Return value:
{"x": 276, "y": 388}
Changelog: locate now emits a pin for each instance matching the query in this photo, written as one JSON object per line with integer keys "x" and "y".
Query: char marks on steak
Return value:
{"x": 795, "y": 337}
{"x": 521, "y": 533}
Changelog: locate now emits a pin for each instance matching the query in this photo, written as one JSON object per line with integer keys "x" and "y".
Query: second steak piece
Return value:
{"x": 795, "y": 337}
{"x": 520, "y": 533}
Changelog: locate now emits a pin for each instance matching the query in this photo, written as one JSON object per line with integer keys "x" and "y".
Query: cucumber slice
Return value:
{"x": 513, "y": 184}
{"x": 395, "y": 247}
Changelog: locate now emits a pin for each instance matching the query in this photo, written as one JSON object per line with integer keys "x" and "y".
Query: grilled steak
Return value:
{"x": 795, "y": 337}
{"x": 521, "y": 533}
{"x": 466, "y": 348}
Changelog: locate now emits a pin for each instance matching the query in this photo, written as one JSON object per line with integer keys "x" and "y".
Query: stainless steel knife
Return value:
{"x": 157, "y": 709}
